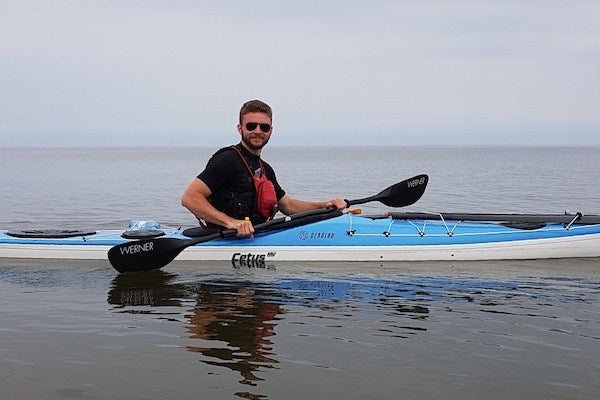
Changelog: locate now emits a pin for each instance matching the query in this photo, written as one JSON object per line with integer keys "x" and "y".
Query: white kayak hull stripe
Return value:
{"x": 562, "y": 247}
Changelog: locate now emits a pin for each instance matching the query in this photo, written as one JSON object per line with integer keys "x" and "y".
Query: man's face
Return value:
{"x": 253, "y": 128}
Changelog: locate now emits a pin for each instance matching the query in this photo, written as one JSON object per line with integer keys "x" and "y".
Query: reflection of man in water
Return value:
{"x": 231, "y": 314}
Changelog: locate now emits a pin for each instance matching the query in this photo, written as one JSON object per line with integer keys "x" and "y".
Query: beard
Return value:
{"x": 246, "y": 139}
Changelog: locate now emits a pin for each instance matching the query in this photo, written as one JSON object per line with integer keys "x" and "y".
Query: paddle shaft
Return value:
{"x": 265, "y": 226}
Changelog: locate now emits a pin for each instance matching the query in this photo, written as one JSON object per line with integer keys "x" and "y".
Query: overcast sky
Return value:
{"x": 162, "y": 73}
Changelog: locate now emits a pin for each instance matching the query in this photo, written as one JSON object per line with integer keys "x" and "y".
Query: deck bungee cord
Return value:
{"x": 421, "y": 230}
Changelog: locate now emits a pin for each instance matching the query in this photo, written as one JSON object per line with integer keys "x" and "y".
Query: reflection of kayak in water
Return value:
{"x": 161, "y": 289}
{"x": 252, "y": 321}
{"x": 231, "y": 324}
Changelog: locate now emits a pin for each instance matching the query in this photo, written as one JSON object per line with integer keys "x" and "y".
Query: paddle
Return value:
{"x": 149, "y": 254}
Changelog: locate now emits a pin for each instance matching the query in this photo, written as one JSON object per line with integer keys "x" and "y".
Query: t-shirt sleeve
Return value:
{"x": 217, "y": 171}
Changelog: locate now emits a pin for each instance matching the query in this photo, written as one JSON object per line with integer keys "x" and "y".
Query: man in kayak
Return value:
{"x": 237, "y": 189}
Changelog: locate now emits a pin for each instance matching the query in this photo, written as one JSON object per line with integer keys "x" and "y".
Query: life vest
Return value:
{"x": 266, "y": 199}
{"x": 240, "y": 205}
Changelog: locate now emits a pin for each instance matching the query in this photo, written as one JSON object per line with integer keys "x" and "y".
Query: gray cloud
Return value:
{"x": 175, "y": 73}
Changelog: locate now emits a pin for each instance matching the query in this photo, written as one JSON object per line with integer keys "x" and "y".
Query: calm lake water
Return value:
{"x": 494, "y": 330}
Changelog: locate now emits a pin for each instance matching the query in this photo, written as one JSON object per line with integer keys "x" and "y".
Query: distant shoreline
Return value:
{"x": 275, "y": 146}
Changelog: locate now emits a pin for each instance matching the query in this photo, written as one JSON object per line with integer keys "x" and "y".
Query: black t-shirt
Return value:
{"x": 226, "y": 174}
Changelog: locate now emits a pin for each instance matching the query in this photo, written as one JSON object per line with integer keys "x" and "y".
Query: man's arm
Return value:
{"x": 195, "y": 199}
{"x": 289, "y": 205}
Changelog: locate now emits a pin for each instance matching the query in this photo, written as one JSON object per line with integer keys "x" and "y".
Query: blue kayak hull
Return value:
{"x": 347, "y": 238}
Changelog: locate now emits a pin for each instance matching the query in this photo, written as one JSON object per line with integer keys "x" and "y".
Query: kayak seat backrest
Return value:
{"x": 49, "y": 233}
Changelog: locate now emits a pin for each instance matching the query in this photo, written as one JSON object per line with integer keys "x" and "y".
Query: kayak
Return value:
{"x": 333, "y": 236}
{"x": 326, "y": 235}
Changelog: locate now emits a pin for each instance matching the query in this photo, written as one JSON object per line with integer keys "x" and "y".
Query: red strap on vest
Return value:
{"x": 246, "y": 162}
{"x": 266, "y": 198}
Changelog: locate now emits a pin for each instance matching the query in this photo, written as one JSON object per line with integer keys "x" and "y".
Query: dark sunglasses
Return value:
{"x": 263, "y": 127}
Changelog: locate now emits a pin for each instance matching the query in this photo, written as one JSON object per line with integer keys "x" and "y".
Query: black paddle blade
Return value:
{"x": 404, "y": 193}
{"x": 145, "y": 255}
{"x": 401, "y": 194}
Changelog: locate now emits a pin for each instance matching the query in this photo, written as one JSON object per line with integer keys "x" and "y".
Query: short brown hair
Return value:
{"x": 255, "y": 106}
